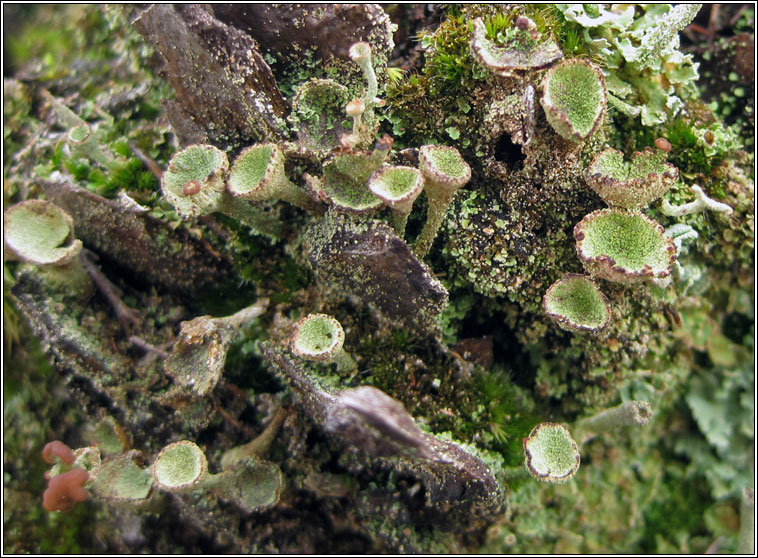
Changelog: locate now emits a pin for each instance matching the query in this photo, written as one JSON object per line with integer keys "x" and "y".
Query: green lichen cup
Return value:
{"x": 576, "y": 304}
{"x": 551, "y": 453}
{"x": 258, "y": 175}
{"x": 630, "y": 184}
{"x": 522, "y": 52}
{"x": 445, "y": 172}
{"x": 574, "y": 98}
{"x": 398, "y": 187}
{"x": 195, "y": 180}
{"x": 319, "y": 337}
{"x": 180, "y": 467}
{"x": 318, "y": 112}
{"x": 41, "y": 233}
{"x": 345, "y": 181}
{"x": 623, "y": 246}
{"x": 120, "y": 479}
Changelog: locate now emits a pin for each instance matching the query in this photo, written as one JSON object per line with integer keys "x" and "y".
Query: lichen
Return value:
{"x": 459, "y": 345}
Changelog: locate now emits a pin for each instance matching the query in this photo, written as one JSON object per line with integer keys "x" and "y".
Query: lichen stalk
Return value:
{"x": 435, "y": 215}
{"x": 631, "y": 413}
{"x": 445, "y": 172}
{"x": 259, "y": 446}
{"x": 242, "y": 317}
{"x": 361, "y": 55}
{"x": 254, "y": 217}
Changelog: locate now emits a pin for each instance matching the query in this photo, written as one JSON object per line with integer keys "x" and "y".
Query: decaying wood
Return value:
{"x": 224, "y": 88}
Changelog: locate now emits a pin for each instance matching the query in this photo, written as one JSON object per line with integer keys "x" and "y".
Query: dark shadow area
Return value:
{"x": 509, "y": 153}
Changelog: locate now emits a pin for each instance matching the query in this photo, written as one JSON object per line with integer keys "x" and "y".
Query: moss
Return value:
{"x": 676, "y": 510}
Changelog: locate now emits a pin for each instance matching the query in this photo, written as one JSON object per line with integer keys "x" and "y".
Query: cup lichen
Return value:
{"x": 445, "y": 172}
{"x": 258, "y": 175}
{"x": 345, "y": 181}
{"x": 576, "y": 304}
{"x": 40, "y": 233}
{"x": 574, "y": 98}
{"x": 180, "y": 467}
{"x": 522, "y": 50}
{"x": 461, "y": 344}
{"x": 195, "y": 180}
{"x": 551, "y": 453}
{"x": 319, "y": 337}
{"x": 633, "y": 184}
{"x": 623, "y": 246}
{"x": 398, "y": 187}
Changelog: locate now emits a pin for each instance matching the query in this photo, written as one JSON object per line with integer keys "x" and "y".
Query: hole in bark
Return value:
{"x": 509, "y": 153}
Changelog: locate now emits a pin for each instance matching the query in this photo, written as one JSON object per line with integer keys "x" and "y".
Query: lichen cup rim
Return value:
{"x": 560, "y": 122}
{"x": 327, "y": 190}
{"x": 430, "y": 168}
{"x": 545, "y": 53}
{"x": 212, "y": 183}
{"x": 199, "y": 468}
{"x": 566, "y": 322}
{"x": 389, "y": 197}
{"x": 630, "y": 193}
{"x": 260, "y": 187}
{"x": 327, "y": 353}
{"x": 360, "y": 51}
{"x": 23, "y": 239}
{"x": 606, "y": 266}
{"x": 533, "y": 461}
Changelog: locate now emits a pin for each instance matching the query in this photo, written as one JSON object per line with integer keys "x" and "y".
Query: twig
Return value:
{"x": 151, "y": 165}
{"x": 145, "y": 346}
{"x": 126, "y": 316}
{"x": 248, "y": 432}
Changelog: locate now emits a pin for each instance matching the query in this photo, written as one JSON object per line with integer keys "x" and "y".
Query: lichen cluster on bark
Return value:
{"x": 419, "y": 443}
